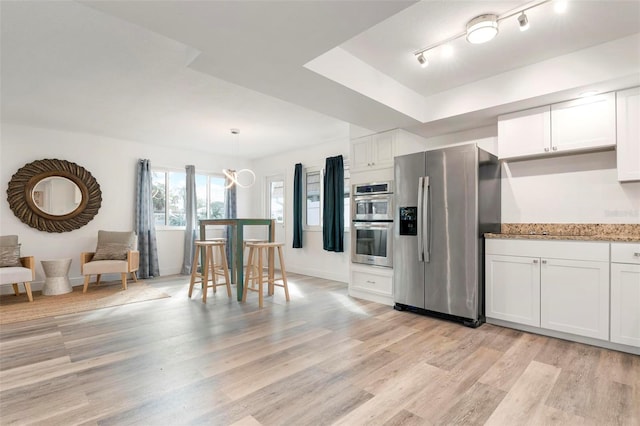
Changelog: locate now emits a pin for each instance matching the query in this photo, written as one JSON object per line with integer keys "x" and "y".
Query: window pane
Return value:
{"x": 277, "y": 201}
{"x": 313, "y": 198}
{"x": 201, "y": 197}
{"x": 347, "y": 190}
{"x": 158, "y": 195}
{"x": 176, "y": 195}
{"x": 216, "y": 197}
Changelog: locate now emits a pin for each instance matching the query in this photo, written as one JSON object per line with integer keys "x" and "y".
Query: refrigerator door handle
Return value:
{"x": 420, "y": 240}
{"x": 426, "y": 192}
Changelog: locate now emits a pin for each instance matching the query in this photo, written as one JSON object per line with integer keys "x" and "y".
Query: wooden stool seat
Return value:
{"x": 255, "y": 275}
{"x": 209, "y": 267}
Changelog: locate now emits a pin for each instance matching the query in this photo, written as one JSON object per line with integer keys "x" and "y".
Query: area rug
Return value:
{"x": 18, "y": 308}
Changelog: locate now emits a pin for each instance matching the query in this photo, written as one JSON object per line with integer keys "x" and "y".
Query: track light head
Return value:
{"x": 422, "y": 60}
{"x": 523, "y": 21}
{"x": 482, "y": 29}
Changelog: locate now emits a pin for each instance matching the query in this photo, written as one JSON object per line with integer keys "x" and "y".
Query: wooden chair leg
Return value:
{"x": 212, "y": 266}
{"x": 27, "y": 287}
{"x": 135, "y": 276}
{"x": 248, "y": 274}
{"x": 98, "y": 279}
{"x": 205, "y": 275}
{"x": 16, "y": 290}
{"x": 225, "y": 269}
{"x": 260, "y": 280}
{"x": 284, "y": 274}
{"x": 194, "y": 269}
{"x": 124, "y": 280}
{"x": 86, "y": 283}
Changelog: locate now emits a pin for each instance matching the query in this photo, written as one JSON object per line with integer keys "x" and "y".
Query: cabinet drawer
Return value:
{"x": 625, "y": 253}
{"x": 576, "y": 250}
{"x": 374, "y": 283}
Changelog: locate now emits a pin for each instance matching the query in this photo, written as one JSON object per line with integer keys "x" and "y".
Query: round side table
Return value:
{"x": 57, "y": 280}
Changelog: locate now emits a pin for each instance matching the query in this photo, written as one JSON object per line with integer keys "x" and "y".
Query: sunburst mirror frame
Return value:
{"x": 20, "y": 195}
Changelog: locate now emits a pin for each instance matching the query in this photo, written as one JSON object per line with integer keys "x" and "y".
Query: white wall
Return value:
{"x": 579, "y": 188}
{"x": 311, "y": 259}
{"x": 571, "y": 189}
{"x": 113, "y": 164}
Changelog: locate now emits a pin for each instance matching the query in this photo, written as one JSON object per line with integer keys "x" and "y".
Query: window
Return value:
{"x": 347, "y": 199}
{"x": 313, "y": 195}
{"x": 275, "y": 194}
{"x": 168, "y": 192}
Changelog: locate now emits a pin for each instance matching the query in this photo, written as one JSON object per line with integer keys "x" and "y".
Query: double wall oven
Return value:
{"x": 372, "y": 224}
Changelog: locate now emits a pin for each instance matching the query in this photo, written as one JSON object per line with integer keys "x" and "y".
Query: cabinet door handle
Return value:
{"x": 544, "y": 261}
{"x": 535, "y": 260}
{"x": 371, "y": 282}
{"x": 555, "y": 148}
{"x": 636, "y": 254}
{"x": 546, "y": 150}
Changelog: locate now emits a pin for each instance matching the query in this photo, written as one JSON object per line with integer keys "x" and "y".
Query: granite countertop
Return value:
{"x": 569, "y": 231}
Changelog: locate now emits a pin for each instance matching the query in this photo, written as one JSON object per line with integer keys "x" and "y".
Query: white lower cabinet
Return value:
{"x": 569, "y": 288}
{"x": 513, "y": 289}
{"x": 371, "y": 283}
{"x": 625, "y": 293}
{"x": 574, "y": 297}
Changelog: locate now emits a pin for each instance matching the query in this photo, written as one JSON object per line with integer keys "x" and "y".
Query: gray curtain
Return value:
{"x": 145, "y": 223}
{"x": 192, "y": 221}
{"x": 297, "y": 206}
{"x": 333, "y": 205}
{"x": 230, "y": 212}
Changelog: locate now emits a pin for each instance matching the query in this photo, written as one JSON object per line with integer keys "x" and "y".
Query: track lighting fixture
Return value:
{"x": 482, "y": 29}
{"x": 523, "y": 22}
{"x": 485, "y": 27}
{"x": 423, "y": 61}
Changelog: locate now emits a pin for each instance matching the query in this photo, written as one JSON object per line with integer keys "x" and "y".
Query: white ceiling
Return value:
{"x": 182, "y": 73}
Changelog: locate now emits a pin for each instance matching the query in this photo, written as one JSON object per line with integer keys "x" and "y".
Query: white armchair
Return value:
{"x": 18, "y": 269}
{"x": 115, "y": 253}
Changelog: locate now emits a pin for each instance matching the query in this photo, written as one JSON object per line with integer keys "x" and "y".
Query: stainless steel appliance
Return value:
{"x": 372, "y": 243}
{"x": 445, "y": 200}
{"x": 372, "y": 224}
{"x": 372, "y": 201}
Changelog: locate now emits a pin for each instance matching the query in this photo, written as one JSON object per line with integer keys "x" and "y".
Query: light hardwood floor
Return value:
{"x": 324, "y": 358}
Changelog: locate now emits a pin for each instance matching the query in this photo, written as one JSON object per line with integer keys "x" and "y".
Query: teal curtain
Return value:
{"x": 333, "y": 205}
{"x": 297, "y": 206}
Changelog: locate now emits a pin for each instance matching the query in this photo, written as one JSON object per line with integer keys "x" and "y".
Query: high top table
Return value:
{"x": 236, "y": 261}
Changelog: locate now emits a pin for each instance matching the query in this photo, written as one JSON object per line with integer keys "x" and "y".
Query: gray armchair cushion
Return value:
{"x": 8, "y": 240}
{"x": 10, "y": 256}
{"x": 111, "y": 251}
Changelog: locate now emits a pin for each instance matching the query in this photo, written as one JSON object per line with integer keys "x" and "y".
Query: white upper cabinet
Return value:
{"x": 372, "y": 152}
{"x": 375, "y": 152}
{"x": 628, "y": 119}
{"x": 524, "y": 133}
{"x": 585, "y": 123}
{"x": 578, "y": 125}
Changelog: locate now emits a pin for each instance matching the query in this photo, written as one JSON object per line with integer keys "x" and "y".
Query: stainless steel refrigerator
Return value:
{"x": 445, "y": 200}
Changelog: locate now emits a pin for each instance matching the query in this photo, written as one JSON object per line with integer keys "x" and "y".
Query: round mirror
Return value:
{"x": 54, "y": 195}
{"x": 57, "y": 196}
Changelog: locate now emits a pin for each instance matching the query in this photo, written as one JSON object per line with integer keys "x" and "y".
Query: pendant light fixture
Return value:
{"x": 243, "y": 178}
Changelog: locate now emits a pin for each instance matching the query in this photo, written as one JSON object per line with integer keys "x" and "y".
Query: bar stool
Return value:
{"x": 205, "y": 249}
{"x": 255, "y": 270}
